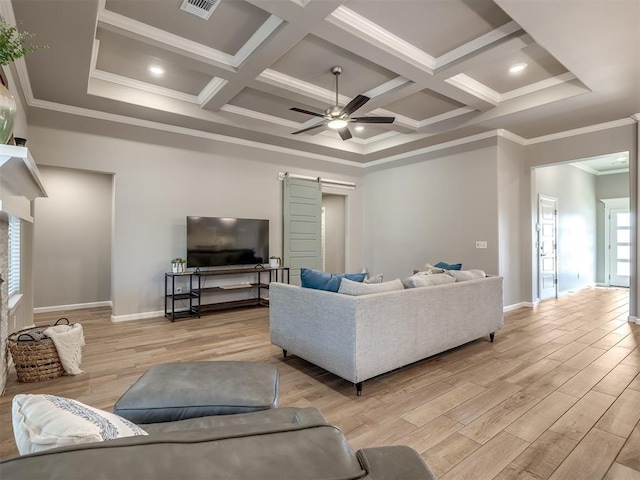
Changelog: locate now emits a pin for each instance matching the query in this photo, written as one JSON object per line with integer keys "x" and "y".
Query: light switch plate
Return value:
{"x": 481, "y": 244}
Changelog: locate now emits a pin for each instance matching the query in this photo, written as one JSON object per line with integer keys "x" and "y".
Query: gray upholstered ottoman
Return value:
{"x": 176, "y": 391}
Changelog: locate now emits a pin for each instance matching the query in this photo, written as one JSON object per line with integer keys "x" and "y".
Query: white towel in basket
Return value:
{"x": 69, "y": 340}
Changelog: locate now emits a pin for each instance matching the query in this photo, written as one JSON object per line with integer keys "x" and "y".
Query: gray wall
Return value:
{"x": 72, "y": 238}
{"x": 607, "y": 186}
{"x": 575, "y": 190}
{"x": 160, "y": 178}
{"x": 511, "y": 220}
{"x": 433, "y": 209}
{"x": 334, "y": 241}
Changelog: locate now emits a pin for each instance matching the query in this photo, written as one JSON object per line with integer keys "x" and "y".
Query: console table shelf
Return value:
{"x": 189, "y": 289}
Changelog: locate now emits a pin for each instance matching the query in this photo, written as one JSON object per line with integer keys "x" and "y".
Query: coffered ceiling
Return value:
{"x": 440, "y": 67}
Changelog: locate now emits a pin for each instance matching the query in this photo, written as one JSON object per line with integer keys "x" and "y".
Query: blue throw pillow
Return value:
{"x": 446, "y": 266}
{"x": 311, "y": 278}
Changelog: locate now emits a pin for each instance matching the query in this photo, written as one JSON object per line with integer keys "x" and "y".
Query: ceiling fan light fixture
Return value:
{"x": 359, "y": 128}
{"x": 337, "y": 124}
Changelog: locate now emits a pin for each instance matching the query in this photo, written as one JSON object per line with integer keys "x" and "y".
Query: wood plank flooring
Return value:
{"x": 557, "y": 396}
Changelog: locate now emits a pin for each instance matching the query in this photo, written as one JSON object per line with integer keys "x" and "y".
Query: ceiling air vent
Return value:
{"x": 200, "y": 8}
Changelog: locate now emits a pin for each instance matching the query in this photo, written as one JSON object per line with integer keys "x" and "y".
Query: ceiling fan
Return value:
{"x": 337, "y": 118}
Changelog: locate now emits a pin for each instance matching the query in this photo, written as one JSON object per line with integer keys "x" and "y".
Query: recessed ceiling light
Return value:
{"x": 337, "y": 124}
{"x": 518, "y": 67}
{"x": 359, "y": 128}
{"x": 156, "y": 70}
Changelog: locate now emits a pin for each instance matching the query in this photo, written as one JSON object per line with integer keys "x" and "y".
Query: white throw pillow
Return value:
{"x": 377, "y": 278}
{"x": 41, "y": 422}
{"x": 348, "y": 287}
{"x": 428, "y": 268}
{"x": 464, "y": 275}
{"x": 422, "y": 280}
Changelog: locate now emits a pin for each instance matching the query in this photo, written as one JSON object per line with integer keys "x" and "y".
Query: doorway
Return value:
{"x": 333, "y": 232}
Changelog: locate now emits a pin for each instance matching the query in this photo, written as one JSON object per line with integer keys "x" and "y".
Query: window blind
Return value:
{"x": 14, "y": 255}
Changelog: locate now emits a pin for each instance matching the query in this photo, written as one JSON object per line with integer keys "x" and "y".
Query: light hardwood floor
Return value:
{"x": 556, "y": 396}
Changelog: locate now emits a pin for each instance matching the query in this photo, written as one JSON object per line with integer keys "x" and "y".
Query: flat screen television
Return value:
{"x": 224, "y": 242}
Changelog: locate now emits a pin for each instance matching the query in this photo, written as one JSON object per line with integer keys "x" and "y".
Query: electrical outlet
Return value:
{"x": 481, "y": 244}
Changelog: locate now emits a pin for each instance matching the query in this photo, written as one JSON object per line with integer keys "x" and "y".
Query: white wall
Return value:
{"x": 72, "y": 239}
{"x": 160, "y": 178}
{"x": 575, "y": 190}
{"x": 432, "y": 210}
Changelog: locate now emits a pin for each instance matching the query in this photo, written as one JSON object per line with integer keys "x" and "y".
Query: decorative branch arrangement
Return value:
{"x": 12, "y": 43}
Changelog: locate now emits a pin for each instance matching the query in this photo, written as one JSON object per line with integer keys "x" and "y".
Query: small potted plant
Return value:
{"x": 274, "y": 262}
{"x": 178, "y": 265}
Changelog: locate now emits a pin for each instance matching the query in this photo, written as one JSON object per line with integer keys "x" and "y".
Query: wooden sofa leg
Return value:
{"x": 359, "y": 389}
{"x": 284, "y": 353}
{"x": 491, "y": 335}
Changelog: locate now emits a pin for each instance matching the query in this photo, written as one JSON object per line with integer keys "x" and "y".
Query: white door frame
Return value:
{"x": 540, "y": 246}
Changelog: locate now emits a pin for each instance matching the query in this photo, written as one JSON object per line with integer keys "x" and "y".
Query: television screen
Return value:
{"x": 217, "y": 242}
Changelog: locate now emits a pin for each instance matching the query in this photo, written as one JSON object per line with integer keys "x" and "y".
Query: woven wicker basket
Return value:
{"x": 35, "y": 355}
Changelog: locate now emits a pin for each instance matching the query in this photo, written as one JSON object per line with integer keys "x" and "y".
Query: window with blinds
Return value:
{"x": 14, "y": 255}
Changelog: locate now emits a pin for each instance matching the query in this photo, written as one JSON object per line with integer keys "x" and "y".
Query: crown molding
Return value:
{"x": 512, "y": 136}
{"x": 289, "y": 83}
{"x": 636, "y": 117}
{"x": 580, "y": 131}
{"x": 348, "y": 20}
{"x": 211, "y": 89}
{"x": 270, "y": 25}
{"x": 245, "y": 112}
{"x": 585, "y": 168}
{"x": 475, "y": 88}
{"x": 537, "y": 86}
{"x": 387, "y": 87}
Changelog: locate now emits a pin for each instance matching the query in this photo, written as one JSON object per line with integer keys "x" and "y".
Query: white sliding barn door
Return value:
{"x": 302, "y": 222}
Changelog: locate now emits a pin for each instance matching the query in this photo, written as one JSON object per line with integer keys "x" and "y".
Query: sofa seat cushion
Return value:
{"x": 41, "y": 422}
{"x": 319, "y": 280}
{"x": 175, "y": 391}
{"x": 348, "y": 287}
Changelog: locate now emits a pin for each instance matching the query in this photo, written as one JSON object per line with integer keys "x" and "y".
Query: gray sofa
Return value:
{"x": 360, "y": 337}
{"x": 282, "y": 443}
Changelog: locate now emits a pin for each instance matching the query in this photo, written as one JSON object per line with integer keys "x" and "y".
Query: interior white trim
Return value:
{"x": 245, "y": 112}
{"x": 581, "y": 131}
{"x": 165, "y": 39}
{"x": 535, "y": 87}
{"x": 633, "y": 319}
{"x": 477, "y": 43}
{"x": 387, "y": 87}
{"x": 475, "y": 88}
{"x": 73, "y": 306}
{"x": 266, "y": 29}
{"x": 136, "y": 316}
{"x": 324, "y": 181}
{"x": 516, "y": 306}
{"x": 211, "y": 89}
{"x": 289, "y": 83}
{"x": 348, "y": 20}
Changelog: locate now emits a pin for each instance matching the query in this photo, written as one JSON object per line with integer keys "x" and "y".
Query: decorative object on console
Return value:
{"x": 274, "y": 262}
{"x": 41, "y": 422}
{"x": 12, "y": 47}
{"x": 319, "y": 280}
{"x": 178, "y": 265}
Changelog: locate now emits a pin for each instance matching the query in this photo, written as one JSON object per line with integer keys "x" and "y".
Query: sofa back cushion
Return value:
{"x": 349, "y": 287}
{"x": 311, "y": 278}
{"x": 426, "y": 280}
{"x": 463, "y": 275}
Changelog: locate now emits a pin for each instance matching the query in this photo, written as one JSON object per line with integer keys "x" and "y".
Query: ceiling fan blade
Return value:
{"x": 373, "y": 119}
{"x": 345, "y": 134}
{"x": 355, "y": 104}
{"x": 300, "y": 110}
{"x": 308, "y": 128}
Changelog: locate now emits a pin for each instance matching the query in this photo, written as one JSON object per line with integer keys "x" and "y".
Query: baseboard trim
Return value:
{"x": 516, "y": 306}
{"x": 73, "y": 306}
{"x": 633, "y": 319}
{"x": 136, "y": 316}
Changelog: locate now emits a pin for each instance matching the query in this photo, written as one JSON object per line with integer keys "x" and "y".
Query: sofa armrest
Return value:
{"x": 391, "y": 463}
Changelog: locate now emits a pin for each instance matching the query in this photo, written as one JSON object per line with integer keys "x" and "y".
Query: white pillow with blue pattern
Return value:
{"x": 41, "y": 422}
